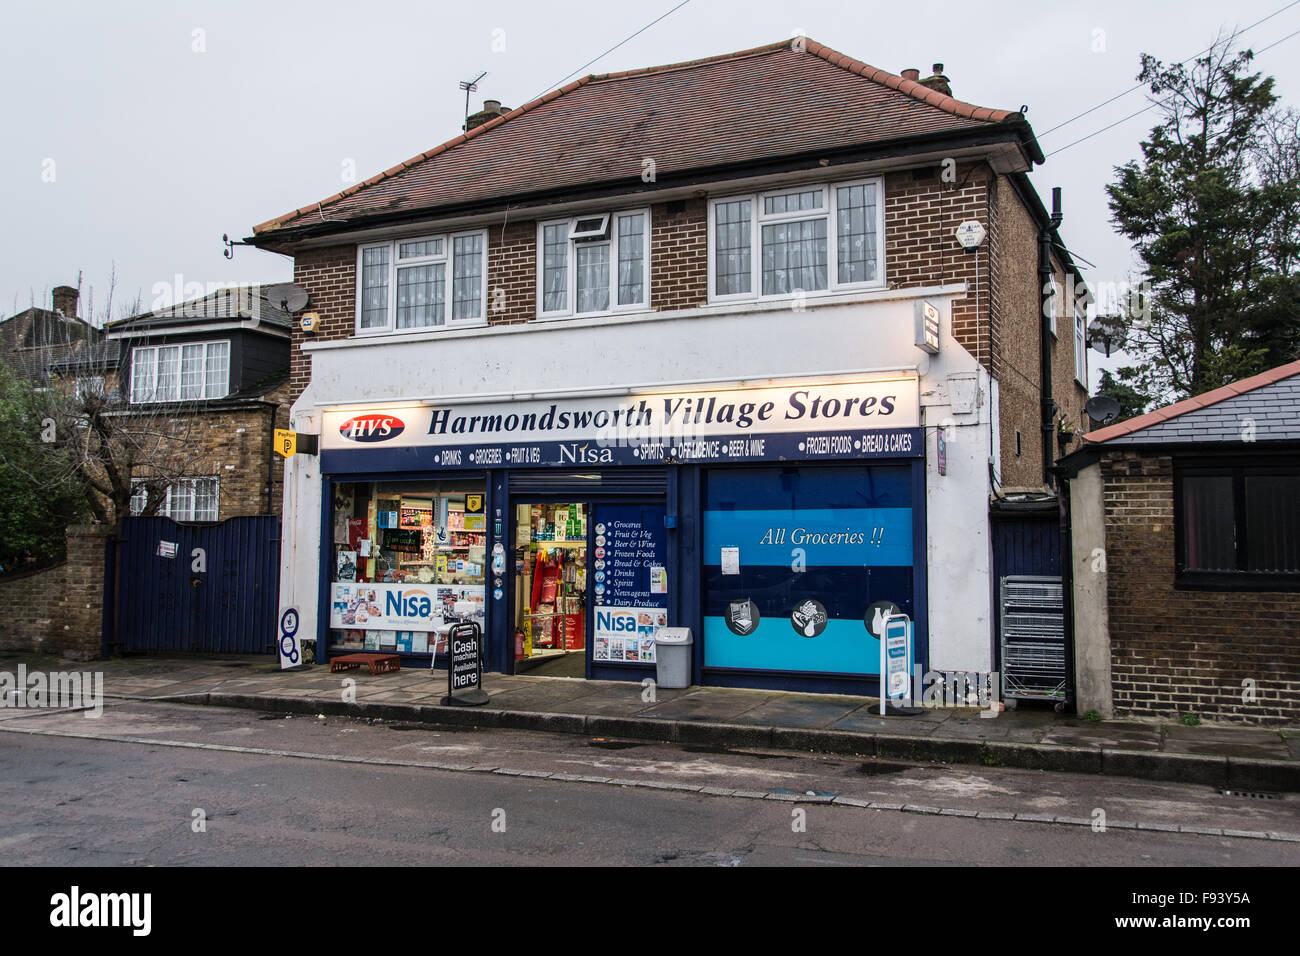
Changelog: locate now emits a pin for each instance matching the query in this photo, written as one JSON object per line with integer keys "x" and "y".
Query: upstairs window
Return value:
{"x": 177, "y": 373}
{"x": 429, "y": 282}
{"x": 1081, "y": 346}
{"x": 808, "y": 239}
{"x": 1238, "y": 526}
{"x": 593, "y": 265}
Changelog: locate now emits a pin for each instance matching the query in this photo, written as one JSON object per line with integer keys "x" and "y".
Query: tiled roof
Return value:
{"x": 765, "y": 103}
{"x": 1270, "y": 400}
{"x": 227, "y": 304}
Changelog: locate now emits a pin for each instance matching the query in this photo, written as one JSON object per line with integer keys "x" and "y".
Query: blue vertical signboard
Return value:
{"x": 629, "y": 582}
{"x": 797, "y": 563}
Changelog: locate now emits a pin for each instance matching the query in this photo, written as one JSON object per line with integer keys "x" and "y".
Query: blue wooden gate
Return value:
{"x": 170, "y": 600}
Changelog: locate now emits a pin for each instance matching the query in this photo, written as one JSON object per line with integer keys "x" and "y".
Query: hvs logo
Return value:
{"x": 372, "y": 428}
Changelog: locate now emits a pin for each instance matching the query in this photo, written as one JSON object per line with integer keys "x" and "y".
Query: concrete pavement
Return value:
{"x": 1229, "y": 757}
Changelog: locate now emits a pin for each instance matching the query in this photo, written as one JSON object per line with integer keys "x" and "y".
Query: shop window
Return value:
{"x": 187, "y": 499}
{"x": 175, "y": 373}
{"x": 801, "y": 566}
{"x": 430, "y": 282}
{"x": 1238, "y": 526}
{"x": 593, "y": 265}
{"x": 809, "y": 239}
{"x": 409, "y": 561}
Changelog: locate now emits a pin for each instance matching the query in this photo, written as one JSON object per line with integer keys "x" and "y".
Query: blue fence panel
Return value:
{"x": 228, "y": 607}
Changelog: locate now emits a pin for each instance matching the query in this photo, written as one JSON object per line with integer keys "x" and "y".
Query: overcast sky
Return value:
{"x": 136, "y": 133}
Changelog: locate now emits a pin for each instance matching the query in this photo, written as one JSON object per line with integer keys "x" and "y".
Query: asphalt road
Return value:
{"x": 127, "y": 789}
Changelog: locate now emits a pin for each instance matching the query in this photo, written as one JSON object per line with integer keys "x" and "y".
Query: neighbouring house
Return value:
{"x": 36, "y": 339}
{"x": 213, "y": 372}
{"x": 1185, "y": 571}
{"x": 191, "y": 396}
{"x": 762, "y": 345}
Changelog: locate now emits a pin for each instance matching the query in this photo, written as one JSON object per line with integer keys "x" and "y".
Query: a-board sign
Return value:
{"x": 465, "y": 666}
{"x": 289, "y": 642}
{"x": 896, "y": 662}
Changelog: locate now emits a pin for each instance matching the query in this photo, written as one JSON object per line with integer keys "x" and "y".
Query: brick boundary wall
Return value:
{"x": 59, "y": 610}
{"x": 1177, "y": 652}
{"x": 30, "y": 604}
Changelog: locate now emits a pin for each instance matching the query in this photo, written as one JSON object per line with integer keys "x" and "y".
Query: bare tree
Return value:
{"x": 94, "y": 434}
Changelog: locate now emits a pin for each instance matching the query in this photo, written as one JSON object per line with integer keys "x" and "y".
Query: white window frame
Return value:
{"x": 1081, "y": 346}
{"x": 152, "y": 396}
{"x": 829, "y": 210}
{"x": 447, "y": 256}
{"x": 610, "y": 220}
{"x": 165, "y": 511}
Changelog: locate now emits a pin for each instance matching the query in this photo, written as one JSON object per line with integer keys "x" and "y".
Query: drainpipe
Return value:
{"x": 1048, "y": 405}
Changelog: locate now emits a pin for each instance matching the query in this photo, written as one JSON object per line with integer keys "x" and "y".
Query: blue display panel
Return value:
{"x": 794, "y": 560}
{"x": 628, "y": 564}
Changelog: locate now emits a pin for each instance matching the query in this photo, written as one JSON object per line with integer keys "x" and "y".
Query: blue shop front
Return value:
{"x": 781, "y": 522}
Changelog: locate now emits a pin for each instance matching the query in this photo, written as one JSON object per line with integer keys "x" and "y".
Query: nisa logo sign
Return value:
{"x": 371, "y": 428}
{"x": 408, "y": 604}
{"x": 616, "y": 621}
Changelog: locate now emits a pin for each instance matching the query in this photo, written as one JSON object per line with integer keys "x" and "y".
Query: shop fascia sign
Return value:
{"x": 708, "y": 423}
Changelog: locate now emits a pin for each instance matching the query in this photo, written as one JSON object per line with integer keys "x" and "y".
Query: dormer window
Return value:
{"x": 594, "y": 265}
{"x": 191, "y": 371}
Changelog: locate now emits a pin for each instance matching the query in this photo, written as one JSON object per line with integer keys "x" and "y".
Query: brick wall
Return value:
{"x": 1017, "y": 364}
{"x": 233, "y": 446}
{"x": 31, "y": 603}
{"x": 512, "y": 273}
{"x": 679, "y": 261}
{"x": 59, "y": 610}
{"x": 922, "y": 212}
{"x": 1175, "y": 652}
{"x": 329, "y": 275}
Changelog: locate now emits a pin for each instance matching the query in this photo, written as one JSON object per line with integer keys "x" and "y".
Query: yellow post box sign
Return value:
{"x": 286, "y": 442}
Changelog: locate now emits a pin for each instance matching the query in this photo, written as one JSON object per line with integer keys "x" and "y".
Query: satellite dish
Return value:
{"x": 289, "y": 296}
{"x": 1102, "y": 409}
{"x": 1105, "y": 334}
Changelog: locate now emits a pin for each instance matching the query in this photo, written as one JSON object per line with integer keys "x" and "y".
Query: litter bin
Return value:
{"x": 673, "y": 657}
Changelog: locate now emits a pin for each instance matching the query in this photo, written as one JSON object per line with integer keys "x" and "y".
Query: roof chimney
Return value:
{"x": 491, "y": 110}
{"x": 938, "y": 81}
{"x": 65, "y": 300}
{"x": 912, "y": 74}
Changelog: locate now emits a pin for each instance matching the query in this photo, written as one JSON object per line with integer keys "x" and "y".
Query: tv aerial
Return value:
{"x": 469, "y": 86}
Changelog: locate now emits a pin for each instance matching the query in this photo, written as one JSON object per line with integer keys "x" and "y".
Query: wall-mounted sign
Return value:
{"x": 928, "y": 319}
{"x": 970, "y": 234}
{"x": 289, "y": 443}
{"x": 877, "y": 418}
{"x": 941, "y": 443}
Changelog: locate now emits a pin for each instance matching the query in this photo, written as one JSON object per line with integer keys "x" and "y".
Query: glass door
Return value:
{"x": 551, "y": 589}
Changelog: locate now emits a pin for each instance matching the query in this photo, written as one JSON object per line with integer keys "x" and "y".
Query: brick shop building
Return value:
{"x": 751, "y": 345}
{"x": 1186, "y": 557}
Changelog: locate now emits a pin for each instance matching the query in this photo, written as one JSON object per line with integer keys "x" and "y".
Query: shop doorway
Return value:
{"x": 551, "y": 596}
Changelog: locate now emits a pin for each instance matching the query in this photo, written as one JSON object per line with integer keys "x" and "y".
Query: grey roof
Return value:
{"x": 1273, "y": 409}
{"x": 232, "y": 304}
